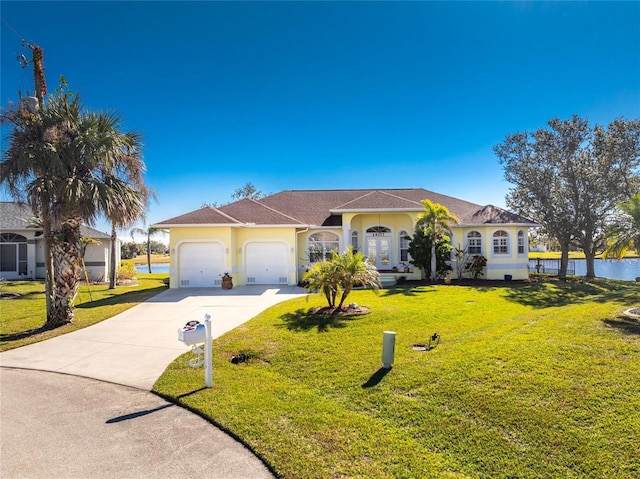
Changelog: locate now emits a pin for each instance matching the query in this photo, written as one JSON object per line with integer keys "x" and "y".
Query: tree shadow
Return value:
{"x": 625, "y": 324}
{"x": 376, "y": 378}
{"x": 546, "y": 294}
{"x": 129, "y": 297}
{"x": 301, "y": 320}
{"x": 23, "y": 334}
{"x": 407, "y": 290}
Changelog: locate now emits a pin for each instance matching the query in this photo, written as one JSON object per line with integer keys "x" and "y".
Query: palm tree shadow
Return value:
{"x": 301, "y": 320}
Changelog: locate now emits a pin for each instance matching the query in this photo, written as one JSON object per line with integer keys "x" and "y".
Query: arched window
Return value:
{"x": 13, "y": 253}
{"x": 500, "y": 242}
{"x": 355, "y": 241}
{"x": 474, "y": 242}
{"x": 403, "y": 245}
{"x": 321, "y": 244}
{"x": 522, "y": 242}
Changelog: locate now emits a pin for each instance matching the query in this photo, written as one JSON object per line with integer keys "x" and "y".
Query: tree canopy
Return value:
{"x": 569, "y": 177}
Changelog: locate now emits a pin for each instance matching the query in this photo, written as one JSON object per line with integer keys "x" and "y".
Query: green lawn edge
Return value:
{"x": 529, "y": 380}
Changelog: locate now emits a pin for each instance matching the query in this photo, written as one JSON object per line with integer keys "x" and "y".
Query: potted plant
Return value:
{"x": 227, "y": 281}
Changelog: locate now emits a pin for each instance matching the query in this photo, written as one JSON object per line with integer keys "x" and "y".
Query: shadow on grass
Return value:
{"x": 625, "y": 324}
{"x": 23, "y": 334}
{"x": 550, "y": 293}
{"x": 301, "y": 320}
{"x": 376, "y": 378}
{"x": 407, "y": 290}
{"x": 129, "y": 297}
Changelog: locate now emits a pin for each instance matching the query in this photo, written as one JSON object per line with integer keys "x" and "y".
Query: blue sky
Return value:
{"x": 317, "y": 95}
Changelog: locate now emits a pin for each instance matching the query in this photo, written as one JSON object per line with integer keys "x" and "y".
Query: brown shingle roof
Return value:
{"x": 207, "y": 215}
{"x": 315, "y": 207}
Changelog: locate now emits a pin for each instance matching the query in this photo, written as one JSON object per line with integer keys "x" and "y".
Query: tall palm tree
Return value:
{"x": 73, "y": 167}
{"x": 434, "y": 221}
{"x": 149, "y": 231}
{"x": 624, "y": 232}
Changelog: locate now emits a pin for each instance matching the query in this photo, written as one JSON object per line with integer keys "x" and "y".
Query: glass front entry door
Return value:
{"x": 379, "y": 252}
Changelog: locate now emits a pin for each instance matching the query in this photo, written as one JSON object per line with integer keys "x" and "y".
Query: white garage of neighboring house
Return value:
{"x": 22, "y": 247}
{"x": 274, "y": 240}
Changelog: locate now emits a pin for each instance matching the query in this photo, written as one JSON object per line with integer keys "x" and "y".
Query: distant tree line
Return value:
{"x": 131, "y": 249}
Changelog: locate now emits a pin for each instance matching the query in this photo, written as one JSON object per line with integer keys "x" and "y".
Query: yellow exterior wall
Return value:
{"x": 498, "y": 265}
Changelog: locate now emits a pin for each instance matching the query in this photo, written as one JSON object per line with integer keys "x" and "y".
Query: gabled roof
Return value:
{"x": 18, "y": 216}
{"x": 495, "y": 215}
{"x": 325, "y": 208}
{"x": 207, "y": 215}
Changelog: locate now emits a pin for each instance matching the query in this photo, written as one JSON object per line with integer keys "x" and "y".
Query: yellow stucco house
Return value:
{"x": 273, "y": 240}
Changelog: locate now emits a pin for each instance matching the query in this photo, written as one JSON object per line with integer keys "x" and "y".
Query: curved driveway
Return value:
{"x": 62, "y": 425}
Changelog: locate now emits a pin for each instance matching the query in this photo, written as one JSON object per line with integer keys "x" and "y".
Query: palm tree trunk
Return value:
{"x": 48, "y": 265}
{"x": 149, "y": 253}
{"x": 433, "y": 275}
{"x": 66, "y": 256}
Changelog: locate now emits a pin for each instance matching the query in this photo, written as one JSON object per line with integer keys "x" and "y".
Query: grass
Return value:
{"x": 533, "y": 380}
{"x": 22, "y": 318}
{"x": 155, "y": 259}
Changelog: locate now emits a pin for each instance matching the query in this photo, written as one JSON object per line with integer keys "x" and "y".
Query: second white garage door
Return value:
{"x": 201, "y": 265}
{"x": 267, "y": 263}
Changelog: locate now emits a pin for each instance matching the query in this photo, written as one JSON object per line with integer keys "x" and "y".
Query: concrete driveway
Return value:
{"x": 68, "y": 426}
{"x": 135, "y": 347}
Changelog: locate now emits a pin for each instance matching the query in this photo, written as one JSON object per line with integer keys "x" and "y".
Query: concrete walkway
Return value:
{"x": 62, "y": 425}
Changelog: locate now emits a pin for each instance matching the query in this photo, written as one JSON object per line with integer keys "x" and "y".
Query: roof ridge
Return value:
{"x": 370, "y": 192}
{"x": 399, "y": 197}
{"x": 275, "y": 210}
{"x": 222, "y": 213}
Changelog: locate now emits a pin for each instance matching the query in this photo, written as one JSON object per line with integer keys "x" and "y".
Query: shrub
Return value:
{"x": 126, "y": 271}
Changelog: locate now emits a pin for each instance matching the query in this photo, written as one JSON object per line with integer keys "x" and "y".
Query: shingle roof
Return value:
{"x": 324, "y": 207}
{"x": 207, "y": 215}
{"x": 18, "y": 216}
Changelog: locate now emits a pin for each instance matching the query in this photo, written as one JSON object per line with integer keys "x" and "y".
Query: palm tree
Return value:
{"x": 150, "y": 231}
{"x": 624, "y": 232}
{"x": 340, "y": 274}
{"x": 434, "y": 221}
{"x": 73, "y": 166}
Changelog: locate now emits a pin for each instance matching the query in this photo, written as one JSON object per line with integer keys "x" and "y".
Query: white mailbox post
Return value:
{"x": 194, "y": 333}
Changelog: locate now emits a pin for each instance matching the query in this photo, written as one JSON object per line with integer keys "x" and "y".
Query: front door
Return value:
{"x": 379, "y": 247}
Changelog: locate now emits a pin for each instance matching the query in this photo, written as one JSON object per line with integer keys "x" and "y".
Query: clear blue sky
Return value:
{"x": 296, "y": 95}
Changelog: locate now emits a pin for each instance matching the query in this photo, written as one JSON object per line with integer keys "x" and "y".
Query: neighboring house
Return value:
{"x": 275, "y": 239}
{"x": 22, "y": 247}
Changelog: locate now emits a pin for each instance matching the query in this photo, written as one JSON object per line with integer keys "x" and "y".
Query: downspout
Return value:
{"x": 296, "y": 253}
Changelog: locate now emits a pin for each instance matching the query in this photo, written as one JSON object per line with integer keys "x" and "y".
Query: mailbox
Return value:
{"x": 192, "y": 333}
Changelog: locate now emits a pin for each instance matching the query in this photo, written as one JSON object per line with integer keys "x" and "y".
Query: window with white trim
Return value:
{"x": 355, "y": 241}
{"x": 13, "y": 253}
{"x": 403, "y": 245}
{"x": 522, "y": 242}
{"x": 321, "y": 244}
{"x": 500, "y": 242}
{"x": 474, "y": 242}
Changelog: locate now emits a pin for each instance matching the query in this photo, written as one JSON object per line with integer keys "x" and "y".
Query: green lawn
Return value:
{"x": 21, "y": 318}
{"x": 529, "y": 381}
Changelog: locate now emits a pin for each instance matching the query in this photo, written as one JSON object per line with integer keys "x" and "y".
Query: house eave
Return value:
{"x": 376, "y": 210}
{"x": 477, "y": 225}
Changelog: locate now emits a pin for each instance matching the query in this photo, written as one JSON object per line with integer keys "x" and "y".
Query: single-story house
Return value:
{"x": 273, "y": 240}
{"x": 22, "y": 246}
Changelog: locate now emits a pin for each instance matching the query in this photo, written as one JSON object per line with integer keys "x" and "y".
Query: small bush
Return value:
{"x": 126, "y": 271}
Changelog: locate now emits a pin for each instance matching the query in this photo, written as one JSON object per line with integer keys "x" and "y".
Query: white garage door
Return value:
{"x": 267, "y": 263}
{"x": 201, "y": 265}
